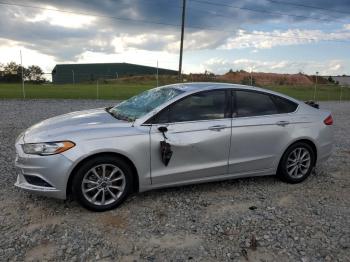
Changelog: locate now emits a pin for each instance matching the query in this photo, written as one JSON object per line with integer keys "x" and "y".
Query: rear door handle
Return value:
{"x": 217, "y": 127}
{"x": 282, "y": 123}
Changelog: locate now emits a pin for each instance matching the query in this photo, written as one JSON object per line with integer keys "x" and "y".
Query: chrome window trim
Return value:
{"x": 189, "y": 122}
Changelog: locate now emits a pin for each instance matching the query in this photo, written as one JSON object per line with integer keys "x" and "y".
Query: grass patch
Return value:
{"x": 77, "y": 91}
{"x": 121, "y": 90}
{"x": 323, "y": 92}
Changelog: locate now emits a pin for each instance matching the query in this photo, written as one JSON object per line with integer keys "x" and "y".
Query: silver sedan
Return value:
{"x": 170, "y": 136}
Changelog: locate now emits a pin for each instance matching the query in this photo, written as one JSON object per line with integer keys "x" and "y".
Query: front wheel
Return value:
{"x": 102, "y": 183}
{"x": 297, "y": 163}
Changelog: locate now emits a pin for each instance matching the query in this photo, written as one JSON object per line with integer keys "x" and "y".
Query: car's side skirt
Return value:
{"x": 265, "y": 172}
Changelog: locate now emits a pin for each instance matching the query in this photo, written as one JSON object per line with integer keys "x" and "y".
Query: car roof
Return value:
{"x": 197, "y": 86}
{"x": 189, "y": 87}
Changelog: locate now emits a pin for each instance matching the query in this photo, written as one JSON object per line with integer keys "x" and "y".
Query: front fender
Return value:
{"x": 135, "y": 148}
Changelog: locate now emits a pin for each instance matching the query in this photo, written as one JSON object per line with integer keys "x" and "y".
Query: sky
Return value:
{"x": 282, "y": 36}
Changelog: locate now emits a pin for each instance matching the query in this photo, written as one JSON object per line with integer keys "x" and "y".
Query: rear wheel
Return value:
{"x": 102, "y": 183}
{"x": 297, "y": 163}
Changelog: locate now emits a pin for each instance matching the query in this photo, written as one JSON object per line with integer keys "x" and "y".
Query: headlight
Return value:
{"x": 45, "y": 149}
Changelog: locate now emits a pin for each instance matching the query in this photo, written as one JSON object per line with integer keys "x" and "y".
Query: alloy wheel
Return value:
{"x": 103, "y": 184}
{"x": 298, "y": 162}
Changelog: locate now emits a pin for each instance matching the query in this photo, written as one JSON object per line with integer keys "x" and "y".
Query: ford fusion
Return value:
{"x": 170, "y": 136}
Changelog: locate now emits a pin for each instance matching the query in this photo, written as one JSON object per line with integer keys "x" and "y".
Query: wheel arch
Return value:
{"x": 135, "y": 187}
{"x": 308, "y": 141}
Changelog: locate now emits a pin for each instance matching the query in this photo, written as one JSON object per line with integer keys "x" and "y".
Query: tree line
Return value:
{"x": 12, "y": 73}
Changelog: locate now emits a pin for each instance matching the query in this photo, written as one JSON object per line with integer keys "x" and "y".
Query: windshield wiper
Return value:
{"x": 118, "y": 116}
{"x": 108, "y": 110}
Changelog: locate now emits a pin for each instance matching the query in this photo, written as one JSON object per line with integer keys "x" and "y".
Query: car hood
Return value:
{"x": 85, "y": 123}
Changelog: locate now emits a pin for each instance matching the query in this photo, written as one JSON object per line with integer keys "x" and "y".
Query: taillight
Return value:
{"x": 328, "y": 121}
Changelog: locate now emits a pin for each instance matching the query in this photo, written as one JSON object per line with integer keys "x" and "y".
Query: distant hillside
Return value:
{"x": 239, "y": 77}
{"x": 270, "y": 78}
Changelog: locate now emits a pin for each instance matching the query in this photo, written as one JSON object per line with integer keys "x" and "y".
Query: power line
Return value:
{"x": 308, "y": 6}
{"x": 89, "y": 14}
{"x": 168, "y": 24}
{"x": 261, "y": 11}
{"x": 162, "y": 23}
{"x": 214, "y": 13}
{"x": 117, "y": 18}
{"x": 211, "y": 12}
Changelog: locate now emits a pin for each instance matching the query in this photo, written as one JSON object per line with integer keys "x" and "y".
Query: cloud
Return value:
{"x": 265, "y": 40}
{"x": 67, "y": 34}
{"x": 10, "y": 51}
{"x": 62, "y": 19}
{"x": 94, "y": 29}
{"x": 151, "y": 42}
{"x": 221, "y": 66}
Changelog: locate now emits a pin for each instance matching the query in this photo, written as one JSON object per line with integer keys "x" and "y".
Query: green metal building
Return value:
{"x": 77, "y": 73}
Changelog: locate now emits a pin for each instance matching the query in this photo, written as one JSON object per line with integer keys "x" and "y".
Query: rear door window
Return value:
{"x": 250, "y": 103}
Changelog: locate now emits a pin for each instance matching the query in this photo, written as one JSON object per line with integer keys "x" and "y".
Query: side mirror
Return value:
{"x": 163, "y": 129}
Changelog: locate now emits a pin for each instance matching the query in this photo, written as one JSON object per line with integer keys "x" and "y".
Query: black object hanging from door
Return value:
{"x": 165, "y": 148}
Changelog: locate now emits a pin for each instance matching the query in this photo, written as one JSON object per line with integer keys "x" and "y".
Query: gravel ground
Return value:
{"x": 256, "y": 219}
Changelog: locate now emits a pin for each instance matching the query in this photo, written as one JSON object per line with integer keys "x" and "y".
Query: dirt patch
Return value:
{"x": 41, "y": 252}
{"x": 339, "y": 175}
{"x": 234, "y": 208}
{"x": 119, "y": 220}
{"x": 286, "y": 201}
{"x": 175, "y": 241}
{"x": 54, "y": 220}
{"x": 129, "y": 258}
{"x": 259, "y": 255}
{"x": 36, "y": 213}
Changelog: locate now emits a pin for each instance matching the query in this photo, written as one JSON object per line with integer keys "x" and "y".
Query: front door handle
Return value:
{"x": 282, "y": 123}
{"x": 217, "y": 127}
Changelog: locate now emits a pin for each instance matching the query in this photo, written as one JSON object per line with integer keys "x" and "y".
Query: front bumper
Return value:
{"x": 41, "y": 190}
{"x": 54, "y": 170}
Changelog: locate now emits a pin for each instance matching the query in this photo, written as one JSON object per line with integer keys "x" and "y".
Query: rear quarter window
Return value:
{"x": 284, "y": 105}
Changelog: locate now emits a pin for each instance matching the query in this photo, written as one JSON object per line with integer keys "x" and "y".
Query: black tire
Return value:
{"x": 84, "y": 169}
{"x": 284, "y": 164}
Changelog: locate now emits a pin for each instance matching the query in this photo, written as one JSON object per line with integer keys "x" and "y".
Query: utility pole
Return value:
{"x": 24, "y": 93}
{"x": 157, "y": 75}
{"x": 182, "y": 38}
